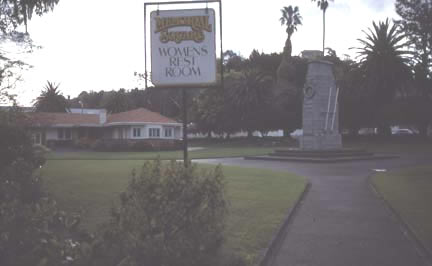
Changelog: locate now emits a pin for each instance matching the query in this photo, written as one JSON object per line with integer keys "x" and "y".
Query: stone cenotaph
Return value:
{"x": 320, "y": 109}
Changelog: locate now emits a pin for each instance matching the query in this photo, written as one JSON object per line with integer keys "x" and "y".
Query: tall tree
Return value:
{"x": 384, "y": 62}
{"x": 284, "y": 85}
{"x": 251, "y": 94}
{"x": 291, "y": 18}
{"x": 323, "y": 5}
{"x": 118, "y": 102}
{"x": 212, "y": 111}
{"x": 12, "y": 14}
{"x": 267, "y": 63}
{"x": 417, "y": 23}
{"x": 17, "y": 12}
{"x": 51, "y": 99}
{"x": 232, "y": 61}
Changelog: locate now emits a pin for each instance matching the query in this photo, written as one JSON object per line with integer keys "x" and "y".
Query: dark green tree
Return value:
{"x": 51, "y": 100}
{"x": 213, "y": 111}
{"x": 17, "y": 12}
{"x": 12, "y": 14}
{"x": 251, "y": 94}
{"x": 417, "y": 23}
{"x": 233, "y": 61}
{"x": 167, "y": 102}
{"x": 289, "y": 99}
{"x": 90, "y": 99}
{"x": 267, "y": 63}
{"x": 384, "y": 63}
{"x": 117, "y": 102}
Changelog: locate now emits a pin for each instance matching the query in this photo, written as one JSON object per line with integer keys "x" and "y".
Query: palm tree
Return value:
{"x": 323, "y": 5}
{"x": 291, "y": 18}
{"x": 51, "y": 100}
{"x": 384, "y": 61}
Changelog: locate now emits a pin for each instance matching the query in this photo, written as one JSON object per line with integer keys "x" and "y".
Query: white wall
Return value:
{"x": 51, "y": 134}
{"x": 176, "y": 134}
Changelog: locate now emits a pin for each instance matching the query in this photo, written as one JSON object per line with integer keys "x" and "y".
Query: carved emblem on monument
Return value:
{"x": 308, "y": 92}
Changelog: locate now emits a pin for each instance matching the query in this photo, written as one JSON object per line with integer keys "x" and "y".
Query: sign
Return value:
{"x": 183, "y": 47}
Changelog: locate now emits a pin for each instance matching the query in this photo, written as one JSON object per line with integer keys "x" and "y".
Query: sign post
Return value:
{"x": 185, "y": 132}
{"x": 183, "y": 51}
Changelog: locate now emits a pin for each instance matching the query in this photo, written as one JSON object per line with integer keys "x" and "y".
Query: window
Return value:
{"x": 64, "y": 133}
{"x": 60, "y": 133}
{"x": 37, "y": 138}
{"x": 68, "y": 134}
{"x": 154, "y": 132}
{"x": 136, "y": 132}
{"x": 168, "y": 132}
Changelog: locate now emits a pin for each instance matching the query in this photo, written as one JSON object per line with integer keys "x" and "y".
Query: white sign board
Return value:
{"x": 183, "y": 47}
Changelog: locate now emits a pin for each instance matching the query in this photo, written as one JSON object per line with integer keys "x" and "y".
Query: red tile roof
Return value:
{"x": 140, "y": 115}
{"x": 50, "y": 119}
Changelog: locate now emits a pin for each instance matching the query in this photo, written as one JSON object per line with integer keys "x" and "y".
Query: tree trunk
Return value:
{"x": 423, "y": 127}
{"x": 353, "y": 131}
{"x": 25, "y": 18}
{"x": 249, "y": 134}
{"x": 384, "y": 130}
{"x": 323, "y": 32}
{"x": 287, "y": 48}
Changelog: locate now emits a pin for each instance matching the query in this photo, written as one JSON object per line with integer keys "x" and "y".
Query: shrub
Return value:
{"x": 169, "y": 215}
{"x": 39, "y": 234}
{"x": 99, "y": 145}
{"x": 17, "y": 163}
{"x": 142, "y": 146}
{"x": 84, "y": 143}
{"x": 32, "y": 229}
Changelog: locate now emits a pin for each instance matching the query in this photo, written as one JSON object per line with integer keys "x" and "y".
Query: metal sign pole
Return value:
{"x": 185, "y": 137}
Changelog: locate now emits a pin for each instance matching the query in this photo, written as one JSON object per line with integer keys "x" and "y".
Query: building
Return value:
{"x": 53, "y": 129}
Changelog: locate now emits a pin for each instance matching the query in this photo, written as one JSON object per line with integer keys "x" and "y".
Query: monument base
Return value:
{"x": 323, "y": 142}
{"x": 321, "y": 156}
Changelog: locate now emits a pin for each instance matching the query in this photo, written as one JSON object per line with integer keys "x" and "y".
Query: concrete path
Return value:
{"x": 341, "y": 221}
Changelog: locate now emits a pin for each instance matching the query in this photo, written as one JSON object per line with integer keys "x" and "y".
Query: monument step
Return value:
{"x": 320, "y": 160}
{"x": 296, "y": 150}
{"x": 320, "y": 154}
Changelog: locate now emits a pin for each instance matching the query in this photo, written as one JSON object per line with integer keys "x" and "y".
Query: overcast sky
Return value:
{"x": 99, "y": 44}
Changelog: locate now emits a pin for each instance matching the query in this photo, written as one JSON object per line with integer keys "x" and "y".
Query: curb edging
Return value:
{"x": 277, "y": 238}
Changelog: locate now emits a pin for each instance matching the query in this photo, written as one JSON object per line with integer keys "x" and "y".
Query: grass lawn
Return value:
{"x": 203, "y": 149}
{"x": 395, "y": 144}
{"x": 409, "y": 192}
{"x": 240, "y": 147}
{"x": 259, "y": 198}
{"x": 204, "y": 153}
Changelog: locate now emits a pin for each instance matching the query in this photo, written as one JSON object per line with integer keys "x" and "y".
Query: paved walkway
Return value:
{"x": 341, "y": 221}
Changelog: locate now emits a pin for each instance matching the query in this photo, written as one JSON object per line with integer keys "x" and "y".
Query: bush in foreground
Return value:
{"x": 33, "y": 231}
{"x": 169, "y": 215}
